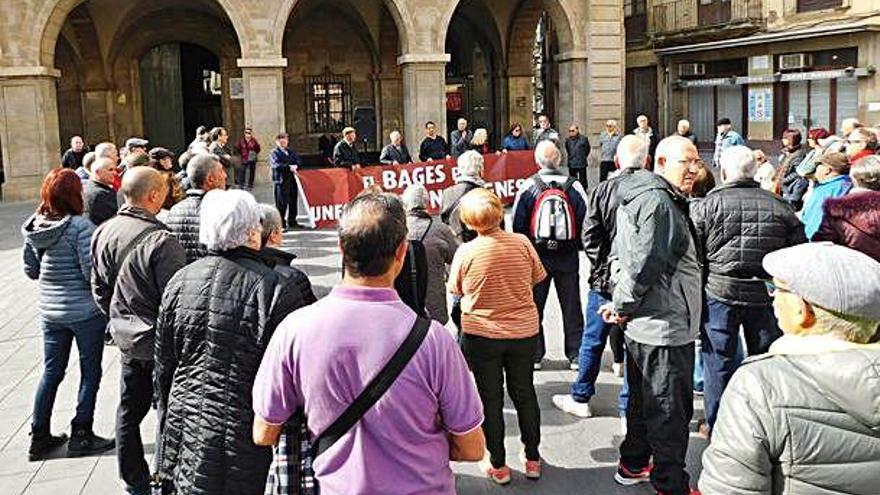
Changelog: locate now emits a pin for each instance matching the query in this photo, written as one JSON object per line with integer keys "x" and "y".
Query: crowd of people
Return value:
{"x": 177, "y": 265}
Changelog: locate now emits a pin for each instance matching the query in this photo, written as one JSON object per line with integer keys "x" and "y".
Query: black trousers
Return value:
{"x": 492, "y": 361}
{"x": 135, "y": 399}
{"x": 616, "y": 341}
{"x": 286, "y": 200}
{"x": 661, "y": 384}
{"x": 605, "y": 168}
{"x": 581, "y": 175}
{"x": 568, "y": 291}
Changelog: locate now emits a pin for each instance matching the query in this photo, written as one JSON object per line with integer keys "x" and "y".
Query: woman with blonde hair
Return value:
{"x": 480, "y": 142}
{"x": 494, "y": 275}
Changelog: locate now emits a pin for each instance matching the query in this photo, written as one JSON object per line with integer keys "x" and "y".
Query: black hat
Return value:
{"x": 160, "y": 153}
{"x": 723, "y": 121}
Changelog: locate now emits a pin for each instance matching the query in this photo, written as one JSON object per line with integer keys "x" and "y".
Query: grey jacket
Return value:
{"x": 440, "y": 247}
{"x": 804, "y": 419}
{"x": 655, "y": 269}
{"x": 459, "y": 142}
{"x": 132, "y": 302}
{"x": 56, "y": 252}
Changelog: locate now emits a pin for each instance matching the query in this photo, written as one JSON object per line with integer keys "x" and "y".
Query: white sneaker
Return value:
{"x": 617, "y": 369}
{"x": 623, "y": 425}
{"x": 573, "y": 365}
{"x": 537, "y": 366}
{"x": 569, "y": 405}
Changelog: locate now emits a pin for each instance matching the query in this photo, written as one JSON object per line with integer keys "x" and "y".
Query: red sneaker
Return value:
{"x": 532, "y": 468}
{"x": 499, "y": 476}
{"x": 692, "y": 491}
{"x": 626, "y": 477}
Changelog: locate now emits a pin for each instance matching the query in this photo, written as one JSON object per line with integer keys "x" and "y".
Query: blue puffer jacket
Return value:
{"x": 57, "y": 253}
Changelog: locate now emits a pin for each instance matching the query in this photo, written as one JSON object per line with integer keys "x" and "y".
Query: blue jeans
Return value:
{"x": 57, "y": 340}
{"x": 590, "y": 357}
{"x": 721, "y": 348}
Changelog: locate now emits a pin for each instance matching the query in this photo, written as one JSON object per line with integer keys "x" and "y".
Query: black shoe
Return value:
{"x": 43, "y": 443}
{"x": 84, "y": 442}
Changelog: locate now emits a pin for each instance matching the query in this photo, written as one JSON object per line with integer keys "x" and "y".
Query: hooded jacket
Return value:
{"x": 56, "y": 252}
{"x": 853, "y": 221}
{"x": 737, "y": 224}
{"x": 216, "y": 318}
{"x": 802, "y": 419}
{"x": 440, "y": 247}
{"x": 655, "y": 270}
{"x": 792, "y": 186}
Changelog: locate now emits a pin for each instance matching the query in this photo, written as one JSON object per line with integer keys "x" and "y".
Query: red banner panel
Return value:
{"x": 326, "y": 191}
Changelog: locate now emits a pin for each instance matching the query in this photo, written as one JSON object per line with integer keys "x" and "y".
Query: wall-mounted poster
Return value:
{"x": 761, "y": 105}
{"x": 236, "y": 88}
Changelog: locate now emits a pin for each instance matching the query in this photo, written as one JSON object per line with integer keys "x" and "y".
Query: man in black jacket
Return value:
{"x": 73, "y": 157}
{"x": 598, "y": 232}
{"x": 99, "y": 196}
{"x": 133, "y": 257}
{"x": 577, "y": 146}
{"x": 345, "y": 154}
{"x": 205, "y": 173}
{"x": 737, "y": 225}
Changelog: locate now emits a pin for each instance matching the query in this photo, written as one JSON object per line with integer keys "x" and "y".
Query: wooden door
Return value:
{"x": 641, "y": 97}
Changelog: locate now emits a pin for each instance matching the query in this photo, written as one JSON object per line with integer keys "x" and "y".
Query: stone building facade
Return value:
{"x": 110, "y": 69}
{"x": 768, "y": 65}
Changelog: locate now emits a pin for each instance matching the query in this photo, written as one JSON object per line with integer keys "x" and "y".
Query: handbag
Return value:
{"x": 291, "y": 472}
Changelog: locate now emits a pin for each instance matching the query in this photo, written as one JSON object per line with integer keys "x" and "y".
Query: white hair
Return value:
{"x": 101, "y": 164}
{"x": 632, "y": 152}
{"x": 684, "y": 122}
{"x": 738, "y": 163}
{"x": 415, "y": 197}
{"x": 672, "y": 146}
{"x": 227, "y": 219}
{"x": 547, "y": 155}
{"x": 470, "y": 165}
{"x": 394, "y": 136}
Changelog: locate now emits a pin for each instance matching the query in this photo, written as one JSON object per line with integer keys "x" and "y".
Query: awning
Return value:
{"x": 759, "y": 39}
{"x": 778, "y": 77}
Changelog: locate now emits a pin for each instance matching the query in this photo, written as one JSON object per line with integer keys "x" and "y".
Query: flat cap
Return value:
{"x": 830, "y": 276}
{"x": 136, "y": 142}
{"x": 723, "y": 121}
{"x": 160, "y": 153}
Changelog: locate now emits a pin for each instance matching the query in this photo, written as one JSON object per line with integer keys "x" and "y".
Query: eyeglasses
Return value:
{"x": 773, "y": 289}
{"x": 853, "y": 141}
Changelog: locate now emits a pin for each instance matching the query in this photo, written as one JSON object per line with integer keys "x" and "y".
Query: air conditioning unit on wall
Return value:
{"x": 795, "y": 61}
{"x": 690, "y": 70}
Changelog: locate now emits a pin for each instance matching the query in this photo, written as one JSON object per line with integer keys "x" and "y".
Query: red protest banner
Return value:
{"x": 326, "y": 191}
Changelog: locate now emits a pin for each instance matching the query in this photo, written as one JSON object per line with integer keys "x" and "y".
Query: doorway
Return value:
{"x": 180, "y": 90}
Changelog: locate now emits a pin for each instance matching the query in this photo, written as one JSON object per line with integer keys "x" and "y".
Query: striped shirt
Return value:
{"x": 495, "y": 274}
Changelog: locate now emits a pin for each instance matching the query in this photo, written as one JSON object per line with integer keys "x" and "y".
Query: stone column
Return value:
{"x": 424, "y": 94}
{"x": 28, "y": 129}
{"x": 263, "y": 81}
{"x": 573, "y": 104}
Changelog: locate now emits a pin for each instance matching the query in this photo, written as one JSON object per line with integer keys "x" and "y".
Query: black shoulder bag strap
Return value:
{"x": 375, "y": 390}
{"x": 123, "y": 255}
{"x": 444, "y": 216}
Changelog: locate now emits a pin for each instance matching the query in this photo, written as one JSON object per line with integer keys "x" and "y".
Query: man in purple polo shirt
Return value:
{"x": 322, "y": 357}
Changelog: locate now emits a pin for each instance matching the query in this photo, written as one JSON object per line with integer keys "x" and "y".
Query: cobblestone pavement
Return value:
{"x": 580, "y": 455}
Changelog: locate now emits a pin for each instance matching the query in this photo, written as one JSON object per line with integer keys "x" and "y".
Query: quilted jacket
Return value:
{"x": 64, "y": 267}
{"x": 216, "y": 318}
{"x": 737, "y": 224}
{"x": 801, "y": 420}
{"x": 184, "y": 219}
{"x": 853, "y": 221}
{"x": 792, "y": 186}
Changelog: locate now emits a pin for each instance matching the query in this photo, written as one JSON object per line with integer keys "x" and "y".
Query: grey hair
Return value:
{"x": 200, "y": 167}
{"x": 415, "y": 197}
{"x": 547, "y": 155}
{"x": 393, "y": 134}
{"x": 632, "y": 152}
{"x": 270, "y": 220}
{"x": 89, "y": 160}
{"x": 227, "y": 219}
{"x": 738, "y": 163}
{"x": 672, "y": 145}
{"x": 101, "y": 164}
{"x": 470, "y": 165}
{"x": 866, "y": 173}
{"x": 104, "y": 150}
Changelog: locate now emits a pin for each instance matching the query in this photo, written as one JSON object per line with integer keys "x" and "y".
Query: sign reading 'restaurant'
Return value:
{"x": 326, "y": 191}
